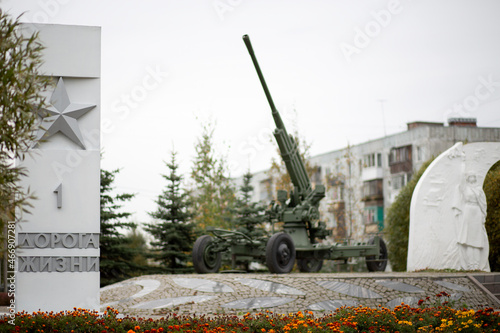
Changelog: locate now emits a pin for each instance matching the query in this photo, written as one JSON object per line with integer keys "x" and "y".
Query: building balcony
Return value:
{"x": 373, "y": 190}
{"x": 399, "y": 167}
{"x": 373, "y": 197}
{"x": 372, "y": 173}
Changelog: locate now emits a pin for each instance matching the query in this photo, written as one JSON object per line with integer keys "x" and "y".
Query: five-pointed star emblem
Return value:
{"x": 62, "y": 116}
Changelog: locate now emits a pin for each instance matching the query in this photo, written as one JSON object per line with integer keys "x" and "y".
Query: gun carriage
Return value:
{"x": 300, "y": 239}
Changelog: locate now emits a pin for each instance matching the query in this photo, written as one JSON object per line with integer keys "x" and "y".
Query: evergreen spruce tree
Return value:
{"x": 397, "y": 228}
{"x": 138, "y": 242}
{"x": 248, "y": 215}
{"x": 173, "y": 230}
{"x": 116, "y": 262}
{"x": 213, "y": 194}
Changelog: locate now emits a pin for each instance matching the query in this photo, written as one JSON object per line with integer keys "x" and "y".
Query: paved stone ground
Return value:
{"x": 156, "y": 295}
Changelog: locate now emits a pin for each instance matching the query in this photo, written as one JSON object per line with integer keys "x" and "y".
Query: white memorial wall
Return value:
{"x": 58, "y": 243}
{"x": 448, "y": 210}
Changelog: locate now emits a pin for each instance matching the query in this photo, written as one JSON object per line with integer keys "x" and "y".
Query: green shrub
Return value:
{"x": 491, "y": 187}
{"x": 398, "y": 222}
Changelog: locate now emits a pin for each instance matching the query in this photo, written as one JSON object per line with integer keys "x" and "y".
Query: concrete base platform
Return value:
{"x": 156, "y": 295}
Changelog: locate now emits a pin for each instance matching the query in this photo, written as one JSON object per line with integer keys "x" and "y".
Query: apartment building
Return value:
{"x": 363, "y": 180}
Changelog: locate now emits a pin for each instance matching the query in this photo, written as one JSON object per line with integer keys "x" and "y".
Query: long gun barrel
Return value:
{"x": 288, "y": 148}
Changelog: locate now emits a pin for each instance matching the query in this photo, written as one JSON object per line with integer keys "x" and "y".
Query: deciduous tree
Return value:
{"x": 20, "y": 99}
{"x": 212, "y": 193}
{"x": 278, "y": 174}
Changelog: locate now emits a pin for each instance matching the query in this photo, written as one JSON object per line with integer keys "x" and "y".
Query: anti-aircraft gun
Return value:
{"x": 299, "y": 213}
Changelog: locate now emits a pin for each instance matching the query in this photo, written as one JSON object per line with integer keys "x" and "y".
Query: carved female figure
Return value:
{"x": 470, "y": 210}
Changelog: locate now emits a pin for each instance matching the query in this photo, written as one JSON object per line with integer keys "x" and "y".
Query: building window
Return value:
{"x": 371, "y": 160}
{"x": 370, "y": 215}
{"x": 336, "y": 193}
{"x": 374, "y": 214}
{"x": 264, "y": 188}
{"x": 399, "y": 181}
{"x": 399, "y": 155}
{"x": 419, "y": 154}
{"x": 373, "y": 188}
{"x": 316, "y": 177}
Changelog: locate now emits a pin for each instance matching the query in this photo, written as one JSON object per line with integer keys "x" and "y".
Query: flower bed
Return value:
{"x": 403, "y": 318}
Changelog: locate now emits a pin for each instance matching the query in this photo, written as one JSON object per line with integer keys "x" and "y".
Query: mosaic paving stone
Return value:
{"x": 399, "y": 286}
{"x": 452, "y": 286}
{"x": 332, "y": 305}
{"x": 116, "y": 285}
{"x": 123, "y": 300}
{"x": 203, "y": 285}
{"x": 348, "y": 289}
{"x": 167, "y": 302}
{"x": 148, "y": 286}
{"x": 410, "y": 300}
{"x": 258, "y": 302}
{"x": 271, "y": 286}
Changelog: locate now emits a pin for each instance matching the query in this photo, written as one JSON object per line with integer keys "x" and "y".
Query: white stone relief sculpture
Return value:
{"x": 470, "y": 212}
{"x": 448, "y": 210}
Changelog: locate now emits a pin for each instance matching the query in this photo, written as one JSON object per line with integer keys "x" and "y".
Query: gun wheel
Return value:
{"x": 377, "y": 265}
{"x": 309, "y": 265}
{"x": 280, "y": 253}
{"x": 205, "y": 259}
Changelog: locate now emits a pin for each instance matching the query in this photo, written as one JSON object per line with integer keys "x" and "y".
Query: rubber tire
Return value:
{"x": 280, "y": 253}
{"x": 205, "y": 261}
{"x": 309, "y": 265}
{"x": 377, "y": 265}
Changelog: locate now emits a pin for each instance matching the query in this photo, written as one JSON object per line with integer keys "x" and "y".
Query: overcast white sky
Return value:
{"x": 169, "y": 65}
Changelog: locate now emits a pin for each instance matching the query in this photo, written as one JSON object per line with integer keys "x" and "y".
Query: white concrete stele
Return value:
{"x": 448, "y": 209}
{"x": 58, "y": 243}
